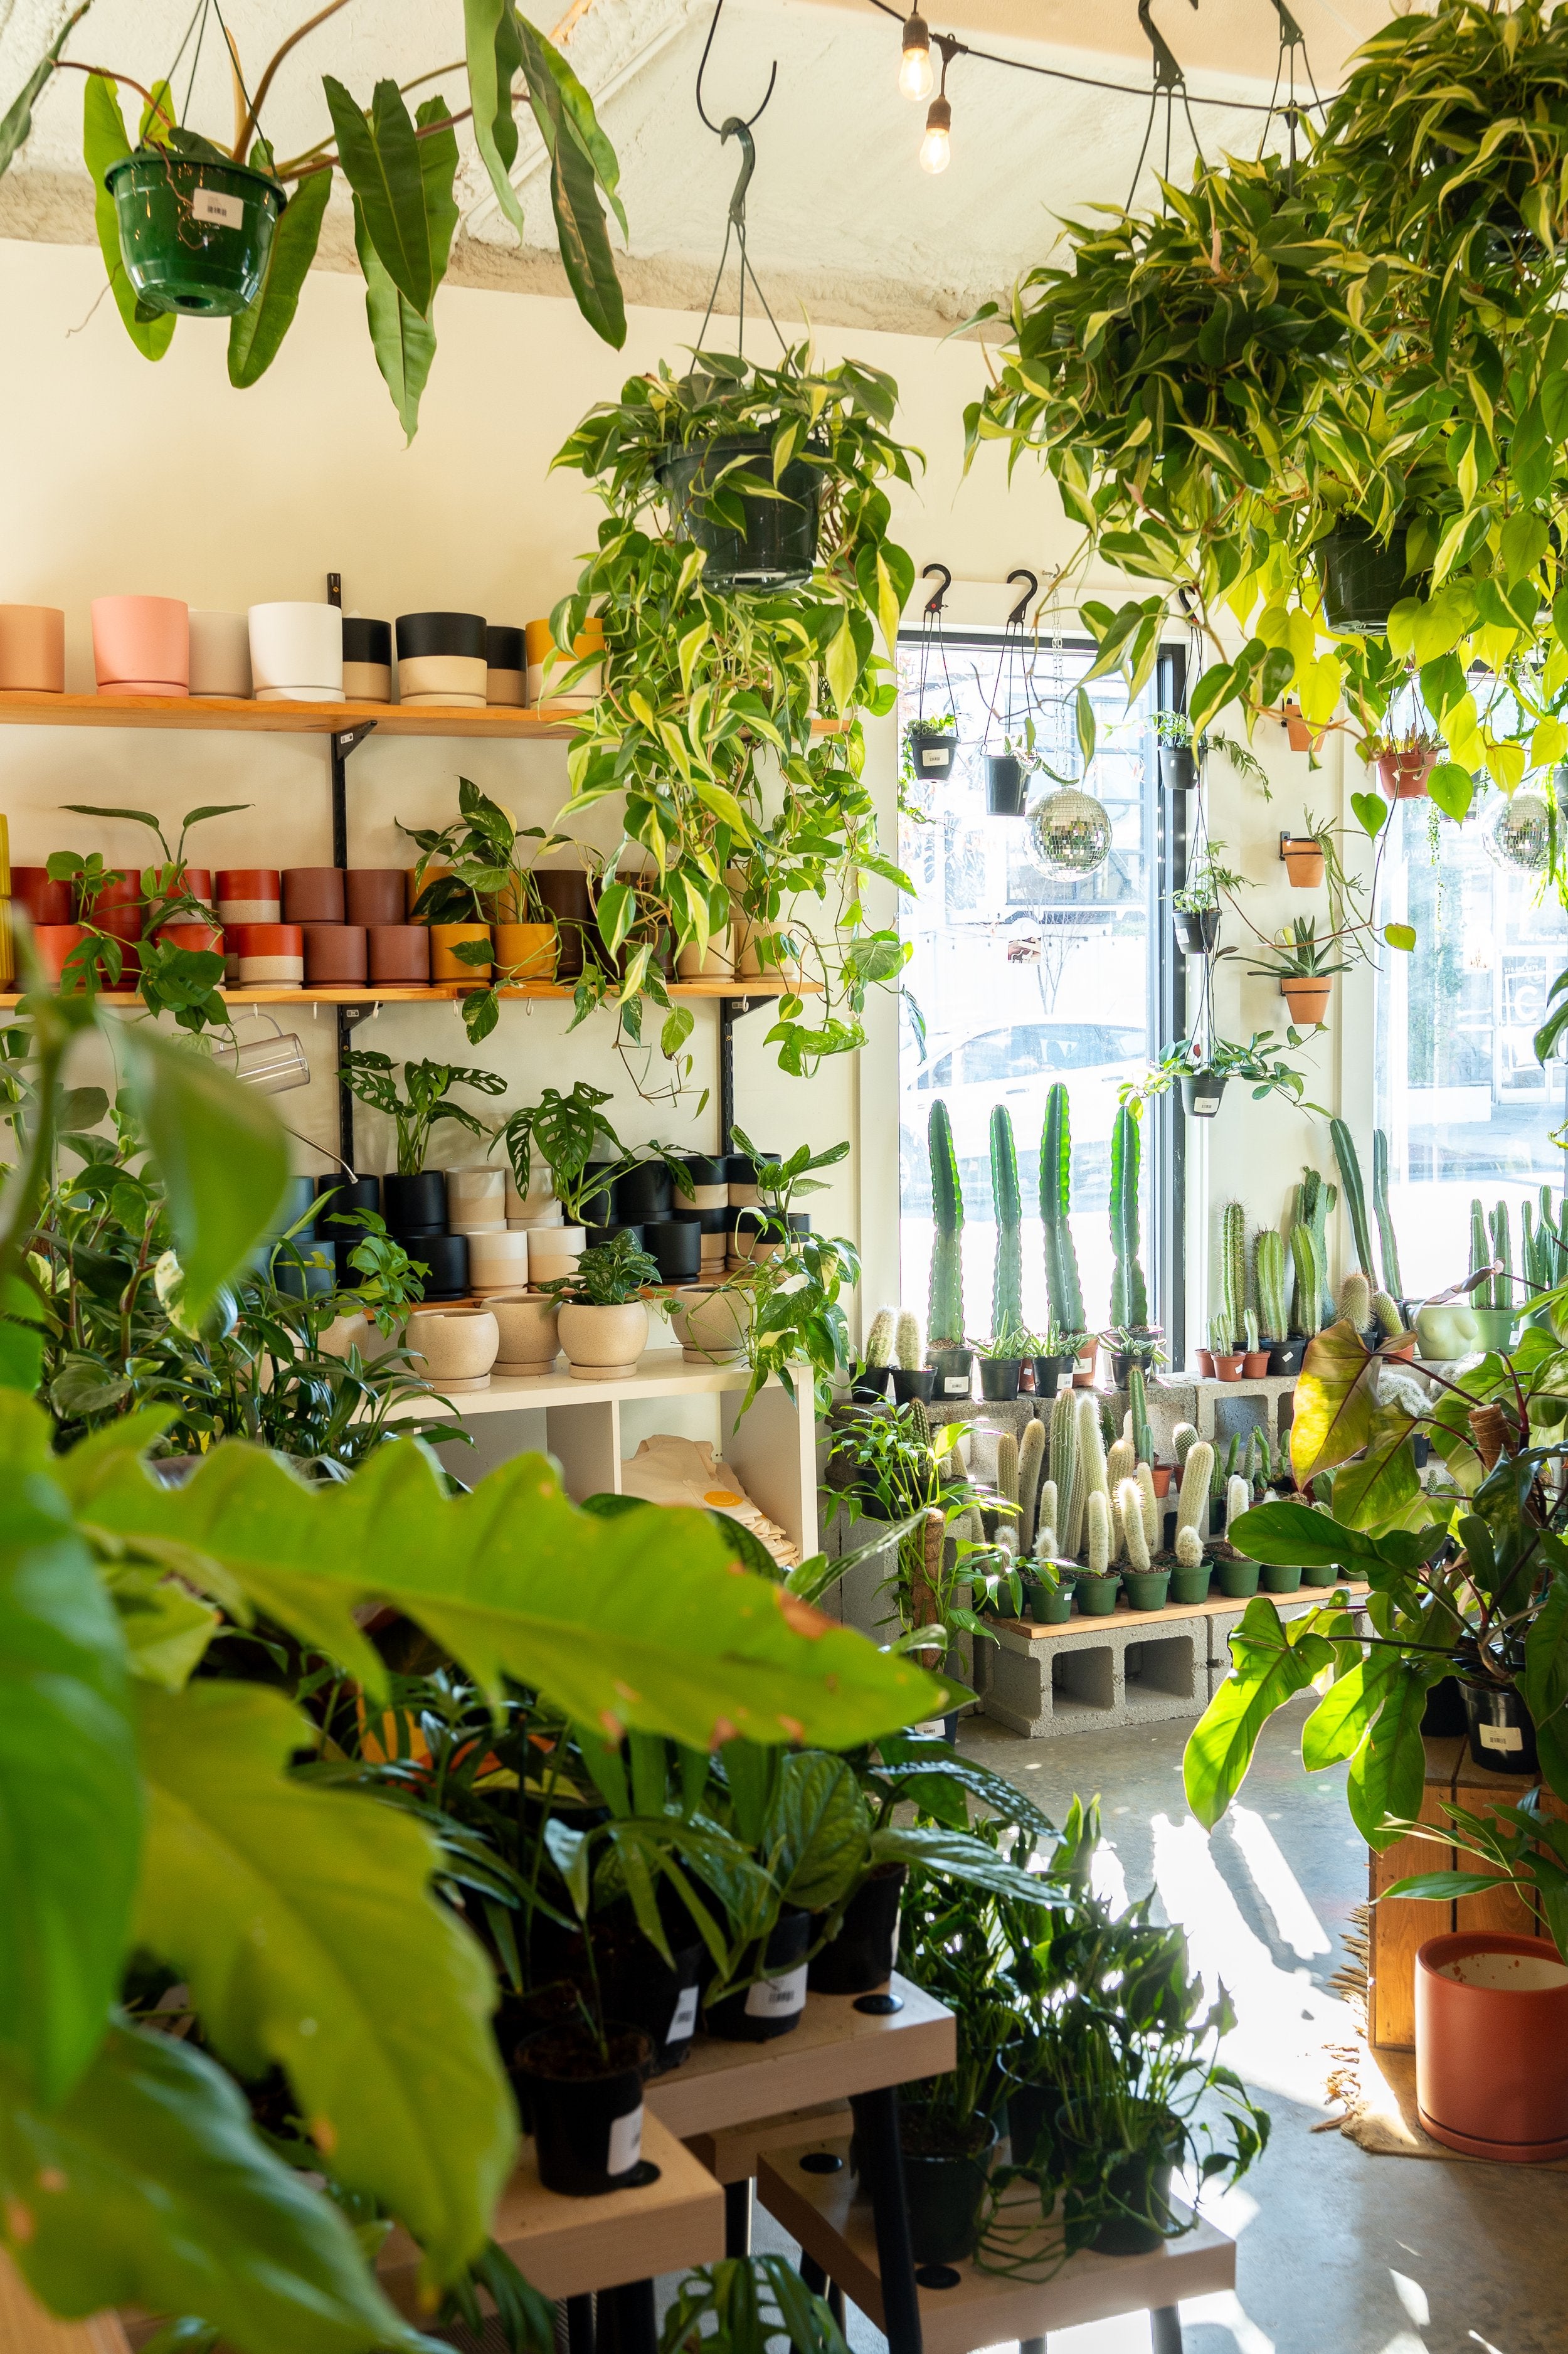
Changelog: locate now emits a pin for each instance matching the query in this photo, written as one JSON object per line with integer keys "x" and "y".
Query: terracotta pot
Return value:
{"x": 1161, "y": 1475}
{"x": 1303, "y": 861}
{"x": 220, "y": 655}
{"x": 525, "y": 952}
{"x": 373, "y": 896}
{"x": 1255, "y": 1364}
{"x": 1308, "y": 1000}
{"x": 1301, "y": 737}
{"x": 313, "y": 894}
{"x": 529, "y": 1342}
{"x": 604, "y": 1344}
{"x": 1085, "y": 1368}
{"x": 1491, "y": 2045}
{"x": 268, "y": 956}
{"x": 249, "y": 894}
{"x": 444, "y": 938}
{"x": 46, "y": 902}
{"x": 52, "y": 943}
{"x": 337, "y": 955}
{"x": 554, "y": 1251}
{"x": 717, "y": 964}
{"x": 196, "y": 882}
{"x": 32, "y": 650}
{"x": 547, "y": 668}
{"x": 1205, "y": 1363}
{"x": 142, "y": 645}
{"x": 455, "y": 1348}
{"x": 712, "y": 1325}
{"x": 197, "y": 936}
{"x": 1228, "y": 1368}
{"x": 1403, "y": 774}
{"x": 296, "y": 652}
{"x": 400, "y": 954}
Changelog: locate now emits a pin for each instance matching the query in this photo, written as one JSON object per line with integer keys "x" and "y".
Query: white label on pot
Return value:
{"x": 210, "y": 204}
{"x": 1205, "y": 1103}
{"x": 625, "y": 2143}
{"x": 955, "y": 1385}
{"x": 1501, "y": 1736}
{"x": 934, "y": 757}
{"x": 685, "y": 2022}
{"x": 778, "y": 1997}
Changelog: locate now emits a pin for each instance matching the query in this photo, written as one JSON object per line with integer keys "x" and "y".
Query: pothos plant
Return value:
{"x": 400, "y": 171}
{"x": 485, "y": 866}
{"x": 708, "y": 725}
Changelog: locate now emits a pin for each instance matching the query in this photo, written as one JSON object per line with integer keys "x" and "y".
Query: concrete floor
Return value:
{"x": 1339, "y": 2253}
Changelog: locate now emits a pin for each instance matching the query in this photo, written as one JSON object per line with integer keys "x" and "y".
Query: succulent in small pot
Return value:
{"x": 603, "y": 1321}
{"x": 1301, "y": 964}
{"x": 1002, "y": 1358}
{"x": 931, "y": 743}
{"x": 1180, "y": 771}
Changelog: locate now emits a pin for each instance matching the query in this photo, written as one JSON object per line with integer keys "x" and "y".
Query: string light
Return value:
{"x": 915, "y": 78}
{"x": 937, "y": 147}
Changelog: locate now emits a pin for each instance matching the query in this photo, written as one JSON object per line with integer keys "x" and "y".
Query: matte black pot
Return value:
{"x": 587, "y": 2130}
{"x": 704, "y": 1167}
{"x": 348, "y": 1195}
{"x": 299, "y": 1201}
{"x": 676, "y": 1245}
{"x": 1177, "y": 768}
{"x": 602, "y": 1207}
{"x": 911, "y": 1382}
{"x": 414, "y": 1206}
{"x": 999, "y": 1379}
{"x": 1141, "y": 2184}
{"x": 1445, "y": 1715}
{"x": 776, "y": 546}
{"x": 954, "y": 1371}
{"x": 308, "y": 1282}
{"x": 1006, "y": 786}
{"x": 1197, "y": 929}
{"x": 1201, "y": 1093}
{"x": 646, "y": 1192}
{"x": 1502, "y": 1733}
{"x": 1362, "y": 579}
{"x": 1285, "y": 1356}
{"x": 1421, "y": 1448}
{"x": 599, "y": 1234}
{"x": 504, "y": 647}
{"x": 864, "y": 1954}
{"x": 1047, "y": 1374}
{"x": 445, "y": 1257}
{"x": 932, "y": 751}
{"x": 421, "y": 634}
{"x": 943, "y": 2196}
{"x": 869, "y": 1383}
{"x": 775, "y": 2004}
{"x": 365, "y": 640}
{"x": 1032, "y": 2124}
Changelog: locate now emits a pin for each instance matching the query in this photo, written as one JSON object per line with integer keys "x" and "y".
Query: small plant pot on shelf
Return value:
{"x": 1085, "y": 1368}
{"x": 1491, "y": 2045}
{"x": 1178, "y": 771}
{"x": 1276, "y": 1578}
{"x": 932, "y": 750}
{"x": 555, "y": 1251}
{"x": 1303, "y": 857}
{"x": 1325, "y": 1574}
{"x": 604, "y": 1344}
{"x": 1403, "y": 775}
{"x": 1228, "y": 1368}
{"x": 999, "y": 1379}
{"x": 1494, "y": 1328}
{"x": 1161, "y": 1474}
{"x": 1096, "y": 1597}
{"x": 954, "y": 1369}
{"x": 1502, "y": 1733}
{"x": 443, "y": 659}
{"x": 711, "y": 1324}
{"x": 416, "y": 1204}
{"x": 526, "y": 1323}
{"x": 32, "y": 650}
{"x": 1197, "y": 929}
{"x": 868, "y": 1383}
{"x": 1308, "y": 1001}
{"x": 772, "y": 2005}
{"x": 1147, "y": 1589}
{"x": 1047, "y": 1374}
{"x": 584, "y": 2111}
{"x": 1202, "y": 1092}
{"x": 1205, "y": 1363}
{"x": 445, "y": 941}
{"x": 1255, "y": 1364}
{"x": 506, "y": 665}
{"x": 367, "y": 668}
{"x": 1285, "y": 1356}
{"x": 863, "y": 1954}
{"x": 523, "y": 951}
{"x": 1006, "y": 785}
{"x": 194, "y": 236}
{"x": 141, "y": 645}
{"x": 1190, "y": 1586}
{"x": 1238, "y": 1579}
{"x": 1139, "y": 2184}
{"x": 1053, "y": 1608}
{"x": 296, "y": 651}
{"x": 943, "y": 2190}
{"x": 912, "y": 1382}
{"x": 453, "y": 1348}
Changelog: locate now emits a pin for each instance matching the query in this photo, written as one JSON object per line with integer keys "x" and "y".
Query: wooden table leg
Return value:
{"x": 877, "y": 2130}
{"x": 737, "y": 2217}
{"x": 813, "y": 2275}
{"x": 1165, "y": 2329}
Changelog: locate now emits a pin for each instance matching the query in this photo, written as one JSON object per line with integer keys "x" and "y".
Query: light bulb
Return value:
{"x": 915, "y": 75}
{"x": 937, "y": 147}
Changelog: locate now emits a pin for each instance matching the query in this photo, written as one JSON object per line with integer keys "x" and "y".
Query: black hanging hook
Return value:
{"x": 736, "y": 129}
{"x": 1168, "y": 74}
{"x": 934, "y": 602}
{"x": 733, "y": 122}
{"x": 1015, "y": 619}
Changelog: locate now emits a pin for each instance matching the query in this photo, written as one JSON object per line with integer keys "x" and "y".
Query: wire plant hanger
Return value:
{"x": 735, "y": 127}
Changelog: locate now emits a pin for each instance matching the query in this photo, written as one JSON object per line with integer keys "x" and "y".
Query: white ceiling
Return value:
{"x": 844, "y": 224}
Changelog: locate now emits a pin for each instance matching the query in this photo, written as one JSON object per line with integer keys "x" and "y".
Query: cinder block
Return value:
{"x": 1119, "y": 1671}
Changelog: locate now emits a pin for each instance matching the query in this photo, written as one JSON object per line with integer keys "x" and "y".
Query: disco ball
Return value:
{"x": 1072, "y": 833}
{"x": 1520, "y": 834}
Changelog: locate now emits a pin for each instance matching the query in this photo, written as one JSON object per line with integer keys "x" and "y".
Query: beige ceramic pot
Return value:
{"x": 554, "y": 1251}
{"x": 711, "y": 1325}
{"x": 454, "y": 1348}
{"x": 497, "y": 1262}
{"x": 529, "y": 1342}
{"x": 604, "y": 1344}
{"x": 717, "y": 964}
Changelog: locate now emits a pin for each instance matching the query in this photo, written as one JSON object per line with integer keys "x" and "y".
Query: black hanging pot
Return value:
{"x": 194, "y": 236}
{"x": 1201, "y": 1093}
{"x": 932, "y": 750}
{"x": 585, "y": 2114}
{"x": 1502, "y": 1732}
{"x": 752, "y": 540}
{"x": 1197, "y": 928}
{"x": 1362, "y": 578}
{"x": 1177, "y": 768}
{"x": 1006, "y": 785}
{"x": 863, "y": 1954}
{"x": 774, "y": 2004}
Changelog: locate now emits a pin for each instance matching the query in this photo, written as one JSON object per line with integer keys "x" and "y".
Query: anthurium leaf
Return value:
{"x": 1271, "y": 1665}
{"x": 381, "y": 158}
{"x": 638, "y": 1621}
{"x": 1334, "y": 1406}
{"x": 1289, "y": 1533}
{"x": 494, "y": 54}
{"x": 580, "y": 224}
{"x": 404, "y": 342}
{"x": 70, "y": 1800}
{"x": 148, "y": 2186}
{"x": 301, "y": 1918}
{"x": 1383, "y": 1787}
{"x": 255, "y": 333}
{"x": 104, "y": 142}
{"x": 578, "y": 117}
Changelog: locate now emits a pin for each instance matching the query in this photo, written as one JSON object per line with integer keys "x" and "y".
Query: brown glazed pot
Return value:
{"x": 334, "y": 953}
{"x": 313, "y": 894}
{"x": 374, "y": 894}
{"x": 400, "y": 954}
{"x": 564, "y": 892}
{"x": 1492, "y": 2058}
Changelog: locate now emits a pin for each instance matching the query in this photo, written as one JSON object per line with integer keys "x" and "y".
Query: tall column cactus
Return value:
{"x": 1047, "y": 1543}
{"x": 1273, "y": 1292}
{"x": 1129, "y": 1504}
{"x": 1314, "y": 1202}
{"x": 1129, "y": 1288}
{"x": 1233, "y": 1269}
{"x": 1307, "y": 1312}
{"x": 1007, "y": 1272}
{"x": 1137, "y": 1415}
{"x": 1193, "y": 1497}
{"x": 1031, "y": 1463}
{"x": 1502, "y": 1252}
{"x": 1150, "y": 1503}
{"x": 1355, "y": 1199}
{"x": 1098, "y": 1533}
{"x": 1007, "y": 1467}
{"x": 1066, "y": 1475}
{"x": 1355, "y": 1301}
{"x": 1062, "y": 1284}
{"x": 1393, "y": 1281}
{"x": 945, "y": 1312}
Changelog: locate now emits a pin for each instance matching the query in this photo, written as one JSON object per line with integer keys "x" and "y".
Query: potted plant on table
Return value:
{"x": 603, "y": 1323}
{"x": 415, "y": 1197}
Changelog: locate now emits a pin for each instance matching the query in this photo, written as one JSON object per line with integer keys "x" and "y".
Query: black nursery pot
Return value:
{"x": 932, "y": 751}
{"x": 645, "y": 1191}
{"x": 953, "y": 1368}
{"x": 1362, "y": 579}
{"x": 775, "y": 546}
{"x": 446, "y": 1257}
{"x": 999, "y": 1379}
{"x": 1177, "y": 768}
{"x": 1502, "y": 1733}
{"x": 1197, "y": 929}
{"x": 1141, "y": 2184}
{"x": 1201, "y": 1093}
{"x": 943, "y": 2194}
{"x": 758, "y": 2014}
{"x": 676, "y": 1245}
{"x": 865, "y": 1951}
{"x": 1285, "y": 1356}
{"x": 597, "y": 1235}
{"x": 587, "y": 2128}
{"x": 1032, "y": 2126}
{"x": 1047, "y": 1373}
{"x": 1445, "y": 1715}
{"x": 348, "y": 1195}
{"x": 869, "y": 1383}
{"x": 414, "y": 1206}
{"x": 911, "y": 1382}
{"x": 1006, "y": 787}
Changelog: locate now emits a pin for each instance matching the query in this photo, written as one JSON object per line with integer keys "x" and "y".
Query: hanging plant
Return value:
{"x": 734, "y": 812}
{"x": 188, "y": 225}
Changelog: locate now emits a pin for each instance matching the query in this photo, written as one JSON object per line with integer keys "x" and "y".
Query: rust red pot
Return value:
{"x": 1308, "y": 1000}
{"x": 1403, "y": 774}
{"x": 1491, "y": 2045}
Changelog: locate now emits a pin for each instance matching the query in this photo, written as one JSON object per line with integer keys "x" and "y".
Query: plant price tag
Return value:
{"x": 778, "y": 1997}
{"x": 685, "y": 2022}
{"x": 955, "y": 1385}
{"x": 626, "y": 2141}
{"x": 212, "y": 205}
{"x": 1501, "y": 1736}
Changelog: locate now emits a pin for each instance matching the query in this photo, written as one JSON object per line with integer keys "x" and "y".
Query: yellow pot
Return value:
{"x": 525, "y": 952}
{"x": 547, "y": 668}
{"x": 444, "y": 965}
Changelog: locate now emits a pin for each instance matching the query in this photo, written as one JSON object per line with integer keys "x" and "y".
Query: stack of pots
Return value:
{"x": 754, "y": 1232}
{"x": 340, "y": 1198}
{"x": 306, "y": 1264}
{"x": 547, "y": 669}
{"x": 415, "y": 1209}
{"x": 476, "y": 1207}
{"x": 671, "y": 1228}
{"x": 553, "y": 1247}
{"x": 350, "y": 927}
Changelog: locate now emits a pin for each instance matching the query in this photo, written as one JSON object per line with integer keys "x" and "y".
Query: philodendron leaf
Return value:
{"x": 255, "y": 333}
{"x": 1271, "y": 1662}
{"x": 404, "y": 342}
{"x": 1378, "y": 1486}
{"x": 148, "y": 2186}
{"x": 381, "y": 158}
{"x": 580, "y": 224}
{"x": 495, "y": 49}
{"x": 1372, "y": 814}
{"x": 104, "y": 141}
{"x": 16, "y": 123}
{"x": 302, "y": 1920}
{"x": 1334, "y": 1399}
{"x": 1387, "y": 1774}
{"x": 958, "y": 1855}
{"x": 71, "y": 1798}
{"x": 1453, "y": 789}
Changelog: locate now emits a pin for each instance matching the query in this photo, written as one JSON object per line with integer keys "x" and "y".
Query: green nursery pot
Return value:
{"x": 1276, "y": 1579}
{"x": 1147, "y": 1589}
{"x": 1323, "y": 1574}
{"x": 1096, "y": 1597}
{"x": 1190, "y": 1586}
{"x": 1238, "y": 1579}
{"x": 194, "y": 236}
{"x": 1052, "y": 1609}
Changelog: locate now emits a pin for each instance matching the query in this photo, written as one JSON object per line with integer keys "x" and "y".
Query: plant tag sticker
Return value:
{"x": 212, "y": 205}
{"x": 1501, "y": 1736}
{"x": 685, "y": 2022}
{"x": 778, "y": 1997}
{"x": 626, "y": 2141}
{"x": 955, "y": 1385}
{"x": 932, "y": 756}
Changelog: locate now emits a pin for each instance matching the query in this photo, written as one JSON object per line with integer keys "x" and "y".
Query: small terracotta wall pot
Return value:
{"x": 220, "y": 654}
{"x": 117, "y": 908}
{"x": 1228, "y": 1368}
{"x": 1303, "y": 862}
{"x": 249, "y": 894}
{"x": 444, "y": 938}
{"x": 296, "y": 652}
{"x": 268, "y": 956}
{"x": 711, "y": 1325}
{"x": 717, "y": 964}
{"x": 336, "y": 954}
{"x": 208, "y": 938}
{"x": 313, "y": 894}
{"x": 604, "y": 1344}
{"x": 454, "y": 1348}
{"x": 525, "y": 952}
{"x": 400, "y": 953}
{"x": 1308, "y": 1000}
{"x": 1491, "y": 2055}
{"x": 554, "y": 1251}
{"x": 1403, "y": 774}
{"x": 46, "y": 902}
{"x": 529, "y": 1342}
{"x": 32, "y": 650}
{"x": 374, "y": 894}
{"x": 52, "y": 943}
{"x": 1255, "y": 1364}
{"x": 142, "y": 645}
{"x": 1301, "y": 737}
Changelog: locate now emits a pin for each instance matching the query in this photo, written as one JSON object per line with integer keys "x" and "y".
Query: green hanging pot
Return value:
{"x": 194, "y": 236}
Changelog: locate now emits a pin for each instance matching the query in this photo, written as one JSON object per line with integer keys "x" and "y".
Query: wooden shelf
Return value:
{"x": 661, "y": 1373}
{"x": 228, "y": 714}
{"x": 983, "y": 2308}
{"x": 449, "y": 992}
{"x": 1217, "y": 1607}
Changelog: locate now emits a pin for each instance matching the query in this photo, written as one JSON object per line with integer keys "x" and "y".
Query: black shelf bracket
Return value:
{"x": 341, "y": 744}
{"x": 731, "y": 1010}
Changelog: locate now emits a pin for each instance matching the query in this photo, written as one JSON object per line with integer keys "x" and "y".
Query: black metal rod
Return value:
{"x": 631, "y": 2307}
{"x": 1165, "y": 2329}
{"x": 836, "y": 2303}
{"x": 877, "y": 2130}
{"x": 344, "y": 1096}
{"x": 726, "y": 1074}
{"x": 813, "y": 2274}
{"x": 579, "y": 2325}
{"x": 737, "y": 2218}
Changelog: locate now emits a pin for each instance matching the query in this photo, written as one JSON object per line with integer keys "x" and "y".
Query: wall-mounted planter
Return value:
{"x": 249, "y": 894}
{"x": 313, "y": 894}
{"x": 441, "y": 660}
{"x": 775, "y": 546}
{"x": 547, "y": 670}
{"x": 1006, "y": 785}
{"x": 603, "y": 1344}
{"x": 194, "y": 236}
{"x": 32, "y": 650}
{"x": 400, "y": 954}
{"x": 1179, "y": 770}
{"x": 1308, "y": 1000}
{"x": 1197, "y": 929}
{"x": 1491, "y": 2045}
{"x": 445, "y": 940}
{"x": 1362, "y": 578}
{"x": 1403, "y": 775}
{"x": 529, "y": 1342}
{"x": 141, "y": 645}
{"x": 296, "y": 652}
{"x": 1202, "y": 1092}
{"x": 505, "y": 667}
{"x": 220, "y": 654}
{"x": 366, "y": 659}
{"x": 932, "y": 750}
{"x": 1303, "y": 856}
{"x": 1298, "y": 735}
{"x": 337, "y": 955}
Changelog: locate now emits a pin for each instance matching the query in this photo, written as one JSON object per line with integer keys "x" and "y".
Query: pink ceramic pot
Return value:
{"x": 142, "y": 645}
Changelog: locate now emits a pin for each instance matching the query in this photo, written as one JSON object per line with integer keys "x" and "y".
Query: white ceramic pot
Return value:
{"x": 454, "y": 1348}
{"x": 711, "y": 1325}
{"x": 604, "y": 1344}
{"x": 296, "y": 652}
{"x": 497, "y": 1261}
{"x": 529, "y": 1342}
{"x": 220, "y": 654}
{"x": 555, "y": 1252}
{"x": 536, "y": 1207}
{"x": 466, "y": 1187}
{"x": 717, "y": 964}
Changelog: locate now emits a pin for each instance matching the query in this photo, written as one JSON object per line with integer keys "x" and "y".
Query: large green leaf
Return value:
{"x": 255, "y": 333}
{"x": 380, "y": 159}
{"x": 495, "y": 49}
{"x": 17, "y": 120}
{"x": 1272, "y": 1663}
{"x": 1337, "y": 1725}
{"x": 819, "y": 1832}
{"x": 644, "y": 1621}
{"x": 149, "y": 2187}
{"x": 1387, "y": 1776}
{"x": 1545, "y": 1682}
{"x": 104, "y": 141}
{"x": 1331, "y": 1418}
{"x": 70, "y": 1802}
{"x": 580, "y": 224}
{"x": 304, "y": 1922}
{"x": 1379, "y": 1485}
{"x": 220, "y": 1151}
{"x": 958, "y": 1855}
{"x": 404, "y": 342}
{"x": 438, "y": 175}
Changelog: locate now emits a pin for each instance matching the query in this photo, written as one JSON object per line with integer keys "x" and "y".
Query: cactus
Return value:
{"x": 1480, "y": 1250}
{"x": 1119, "y": 1462}
{"x": 1149, "y": 1504}
{"x": 1067, "y": 1472}
{"x": 1225, "y": 1470}
{"x": 920, "y": 1425}
{"x": 1263, "y": 1478}
{"x": 1386, "y": 1310}
{"x": 1097, "y": 1518}
{"x": 1189, "y": 1549}
{"x": 1045, "y": 1521}
{"x": 1183, "y": 1438}
{"x": 880, "y": 1339}
{"x": 1046, "y": 1548}
{"x": 1268, "y": 1269}
{"x": 1007, "y": 1267}
{"x": 1062, "y": 1282}
{"x": 945, "y": 1308}
{"x": 1356, "y": 1301}
{"x": 1249, "y": 1331}
{"x": 1007, "y": 1467}
{"x": 1233, "y": 1271}
{"x": 1221, "y": 1343}
{"x": 1134, "y": 1542}
{"x": 1192, "y": 1498}
{"x": 1137, "y": 1415}
{"x": 1030, "y": 1462}
{"x": 1306, "y": 1315}
{"x": 1355, "y": 1199}
{"x": 1238, "y": 1500}
{"x": 910, "y": 1344}
{"x": 1393, "y": 1282}
{"x": 1502, "y": 1252}
{"x": 1092, "y": 1446}
{"x": 1129, "y": 1289}
{"x": 1314, "y": 1202}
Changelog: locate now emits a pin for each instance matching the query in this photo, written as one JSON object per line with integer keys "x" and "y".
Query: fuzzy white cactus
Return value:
{"x": 909, "y": 1342}
{"x": 1192, "y": 1503}
{"x": 1150, "y": 1503}
{"x": 1007, "y": 1466}
{"x": 1046, "y": 1518}
{"x": 1183, "y": 1438}
{"x": 1130, "y": 1505}
{"x": 1092, "y": 1445}
{"x": 1031, "y": 1463}
{"x": 1097, "y": 1518}
{"x": 1238, "y": 1499}
{"x": 1189, "y": 1548}
{"x": 1045, "y": 1543}
{"x": 880, "y": 1340}
{"x": 1120, "y": 1460}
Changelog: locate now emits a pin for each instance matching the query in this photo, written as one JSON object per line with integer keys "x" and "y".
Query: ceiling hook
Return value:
{"x": 1168, "y": 74}
{"x": 734, "y": 122}
{"x": 1015, "y": 619}
{"x": 934, "y": 602}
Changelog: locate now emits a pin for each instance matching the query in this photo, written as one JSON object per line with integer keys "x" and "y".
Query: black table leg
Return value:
{"x": 1032, "y": 2346}
{"x": 632, "y": 2308}
{"x": 876, "y": 2129}
{"x": 579, "y": 2325}
{"x": 1165, "y": 2329}
{"x": 836, "y": 2303}
{"x": 737, "y": 2218}
{"x": 813, "y": 2274}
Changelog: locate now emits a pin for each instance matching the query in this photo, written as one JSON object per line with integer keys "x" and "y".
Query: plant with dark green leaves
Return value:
{"x": 944, "y": 1303}
{"x": 1521, "y": 1845}
{"x": 486, "y": 872}
{"x": 608, "y": 1276}
{"x": 424, "y": 1101}
{"x": 565, "y": 1129}
{"x": 746, "y": 2305}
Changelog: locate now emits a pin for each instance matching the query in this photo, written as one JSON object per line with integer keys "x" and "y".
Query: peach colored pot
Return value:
{"x": 201, "y": 937}
{"x": 1303, "y": 861}
{"x": 1205, "y": 1363}
{"x": 554, "y": 1251}
{"x": 454, "y": 1348}
{"x": 603, "y": 1344}
{"x": 1308, "y": 1000}
{"x": 525, "y": 952}
{"x": 32, "y": 650}
{"x": 1255, "y": 1364}
{"x": 529, "y": 1341}
{"x": 1228, "y": 1368}
{"x": 1160, "y": 1473}
{"x": 1403, "y": 774}
{"x": 444, "y": 938}
{"x": 1085, "y": 1368}
{"x": 1491, "y": 2045}
{"x": 142, "y": 645}
{"x": 711, "y": 1325}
